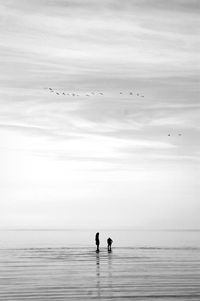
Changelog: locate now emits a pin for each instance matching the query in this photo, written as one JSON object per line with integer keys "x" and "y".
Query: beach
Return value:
{"x": 61, "y": 265}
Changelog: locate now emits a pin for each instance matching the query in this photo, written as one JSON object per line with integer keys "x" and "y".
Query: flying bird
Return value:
{"x": 57, "y": 93}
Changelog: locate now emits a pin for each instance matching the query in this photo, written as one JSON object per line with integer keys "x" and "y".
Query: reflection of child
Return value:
{"x": 109, "y": 241}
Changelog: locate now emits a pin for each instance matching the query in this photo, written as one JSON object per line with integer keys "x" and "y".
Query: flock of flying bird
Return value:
{"x": 88, "y": 94}
{"x": 95, "y": 93}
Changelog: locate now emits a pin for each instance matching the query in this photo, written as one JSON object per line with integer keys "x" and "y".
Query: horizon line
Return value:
{"x": 103, "y": 229}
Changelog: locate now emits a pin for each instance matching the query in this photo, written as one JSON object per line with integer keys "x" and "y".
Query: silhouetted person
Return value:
{"x": 97, "y": 241}
{"x": 109, "y": 241}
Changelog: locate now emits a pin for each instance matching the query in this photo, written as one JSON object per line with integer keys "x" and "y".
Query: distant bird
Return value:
{"x": 101, "y": 93}
{"x": 50, "y": 89}
{"x": 169, "y": 135}
{"x": 120, "y": 92}
{"x": 57, "y": 93}
{"x": 180, "y": 134}
{"x": 131, "y": 93}
{"x": 73, "y": 94}
{"x": 63, "y": 93}
{"x": 138, "y": 94}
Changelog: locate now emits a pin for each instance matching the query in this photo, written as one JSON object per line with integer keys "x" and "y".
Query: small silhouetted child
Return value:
{"x": 109, "y": 241}
{"x": 97, "y": 241}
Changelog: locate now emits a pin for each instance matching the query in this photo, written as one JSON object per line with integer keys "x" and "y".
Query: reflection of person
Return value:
{"x": 98, "y": 285}
{"x": 97, "y": 241}
{"x": 109, "y": 241}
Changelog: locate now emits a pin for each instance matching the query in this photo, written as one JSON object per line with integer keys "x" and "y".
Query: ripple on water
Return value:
{"x": 142, "y": 273}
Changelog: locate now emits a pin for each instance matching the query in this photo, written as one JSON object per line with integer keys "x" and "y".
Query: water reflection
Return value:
{"x": 110, "y": 275}
{"x": 98, "y": 275}
{"x": 104, "y": 275}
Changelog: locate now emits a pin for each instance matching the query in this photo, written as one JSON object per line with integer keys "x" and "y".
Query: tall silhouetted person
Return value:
{"x": 97, "y": 241}
{"x": 109, "y": 241}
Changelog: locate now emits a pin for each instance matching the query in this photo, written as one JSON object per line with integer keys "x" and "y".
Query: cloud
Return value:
{"x": 144, "y": 46}
{"x": 72, "y": 152}
{"x": 60, "y": 39}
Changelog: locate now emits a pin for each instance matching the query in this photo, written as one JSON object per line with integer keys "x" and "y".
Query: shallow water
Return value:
{"x": 63, "y": 265}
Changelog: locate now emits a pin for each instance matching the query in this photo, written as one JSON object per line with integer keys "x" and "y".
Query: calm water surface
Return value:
{"x": 63, "y": 265}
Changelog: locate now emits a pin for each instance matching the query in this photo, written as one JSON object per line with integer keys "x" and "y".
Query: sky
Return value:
{"x": 99, "y": 161}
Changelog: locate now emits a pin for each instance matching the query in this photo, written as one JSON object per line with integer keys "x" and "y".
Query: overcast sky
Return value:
{"x": 99, "y": 161}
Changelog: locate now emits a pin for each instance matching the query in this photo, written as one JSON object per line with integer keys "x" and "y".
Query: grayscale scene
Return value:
{"x": 99, "y": 150}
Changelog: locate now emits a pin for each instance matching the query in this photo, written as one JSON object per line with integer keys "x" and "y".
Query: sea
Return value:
{"x": 63, "y": 265}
